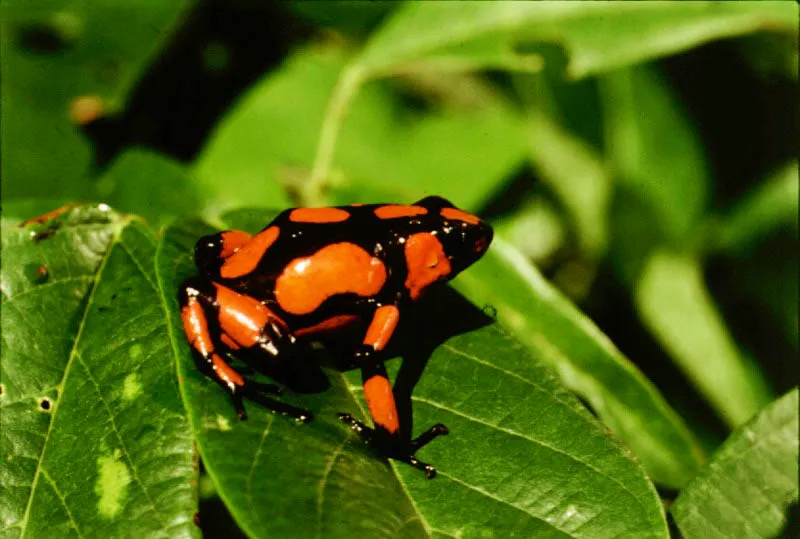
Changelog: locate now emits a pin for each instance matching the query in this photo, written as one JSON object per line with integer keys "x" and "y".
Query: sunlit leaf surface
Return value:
{"x": 93, "y": 434}
{"x": 750, "y": 482}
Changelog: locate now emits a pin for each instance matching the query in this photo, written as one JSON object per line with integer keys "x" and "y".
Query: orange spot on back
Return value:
{"x": 332, "y": 323}
{"x": 232, "y": 241}
{"x": 380, "y": 401}
{"x": 247, "y": 258}
{"x": 241, "y": 317}
{"x": 394, "y": 211}
{"x": 318, "y": 215}
{"x": 382, "y": 326}
{"x": 336, "y": 269}
{"x": 426, "y": 262}
{"x": 454, "y": 213}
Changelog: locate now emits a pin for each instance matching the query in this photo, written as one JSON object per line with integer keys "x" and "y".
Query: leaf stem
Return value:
{"x": 343, "y": 93}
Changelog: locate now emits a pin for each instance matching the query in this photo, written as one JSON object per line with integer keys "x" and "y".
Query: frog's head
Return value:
{"x": 456, "y": 240}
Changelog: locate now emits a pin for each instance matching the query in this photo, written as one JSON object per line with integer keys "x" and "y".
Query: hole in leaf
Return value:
{"x": 37, "y": 273}
{"x": 44, "y": 403}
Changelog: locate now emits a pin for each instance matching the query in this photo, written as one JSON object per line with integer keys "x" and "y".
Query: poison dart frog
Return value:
{"x": 313, "y": 270}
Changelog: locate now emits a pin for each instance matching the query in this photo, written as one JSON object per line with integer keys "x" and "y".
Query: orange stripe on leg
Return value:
{"x": 380, "y": 400}
{"x": 196, "y": 328}
{"x": 225, "y": 372}
{"x": 383, "y": 324}
{"x": 230, "y": 343}
{"x": 242, "y": 318}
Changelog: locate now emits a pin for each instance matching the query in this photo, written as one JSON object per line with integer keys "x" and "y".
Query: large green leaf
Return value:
{"x": 750, "y": 482}
{"x": 523, "y": 457}
{"x": 387, "y": 151}
{"x": 554, "y": 330}
{"x": 59, "y": 57}
{"x": 596, "y": 36}
{"x": 94, "y": 438}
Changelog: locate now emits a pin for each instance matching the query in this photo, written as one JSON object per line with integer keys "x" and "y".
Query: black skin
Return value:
{"x": 382, "y": 238}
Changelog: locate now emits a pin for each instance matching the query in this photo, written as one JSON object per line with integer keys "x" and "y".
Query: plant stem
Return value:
{"x": 343, "y": 94}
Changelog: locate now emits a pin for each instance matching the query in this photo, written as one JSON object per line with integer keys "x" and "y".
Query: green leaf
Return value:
{"x": 55, "y": 56}
{"x": 554, "y": 330}
{"x": 656, "y": 152}
{"x": 772, "y": 204}
{"x": 95, "y": 441}
{"x": 149, "y": 184}
{"x": 523, "y": 456}
{"x": 747, "y": 487}
{"x": 387, "y": 152}
{"x": 568, "y": 165}
{"x": 597, "y": 37}
{"x": 674, "y": 303}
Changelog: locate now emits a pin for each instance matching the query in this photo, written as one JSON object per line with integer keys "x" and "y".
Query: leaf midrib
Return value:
{"x": 23, "y": 524}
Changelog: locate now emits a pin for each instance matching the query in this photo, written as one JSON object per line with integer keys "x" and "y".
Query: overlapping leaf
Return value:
{"x": 655, "y": 248}
{"x": 93, "y": 433}
{"x": 750, "y": 482}
{"x": 523, "y": 455}
{"x": 597, "y": 37}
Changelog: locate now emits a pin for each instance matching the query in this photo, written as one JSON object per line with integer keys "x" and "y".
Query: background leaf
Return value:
{"x": 523, "y": 455}
{"x": 64, "y": 64}
{"x": 750, "y": 482}
{"x": 150, "y": 185}
{"x": 674, "y": 303}
{"x": 385, "y": 152}
{"x": 667, "y": 284}
{"x": 597, "y": 37}
{"x": 555, "y": 331}
{"x": 771, "y": 205}
{"x": 94, "y": 436}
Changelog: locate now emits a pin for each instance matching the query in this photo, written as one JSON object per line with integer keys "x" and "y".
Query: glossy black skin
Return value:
{"x": 382, "y": 238}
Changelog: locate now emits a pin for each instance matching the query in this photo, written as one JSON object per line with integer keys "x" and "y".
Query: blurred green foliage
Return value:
{"x": 638, "y": 163}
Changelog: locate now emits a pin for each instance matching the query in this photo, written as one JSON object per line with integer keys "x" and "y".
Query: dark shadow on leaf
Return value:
{"x": 443, "y": 314}
{"x": 440, "y": 315}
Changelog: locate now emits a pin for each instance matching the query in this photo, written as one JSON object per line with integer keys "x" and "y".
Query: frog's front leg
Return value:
{"x": 215, "y": 319}
{"x": 386, "y": 436}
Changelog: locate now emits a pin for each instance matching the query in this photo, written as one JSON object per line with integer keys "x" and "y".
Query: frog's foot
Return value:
{"x": 394, "y": 446}
{"x": 257, "y": 392}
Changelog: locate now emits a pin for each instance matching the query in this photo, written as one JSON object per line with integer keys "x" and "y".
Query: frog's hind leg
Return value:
{"x": 216, "y": 318}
